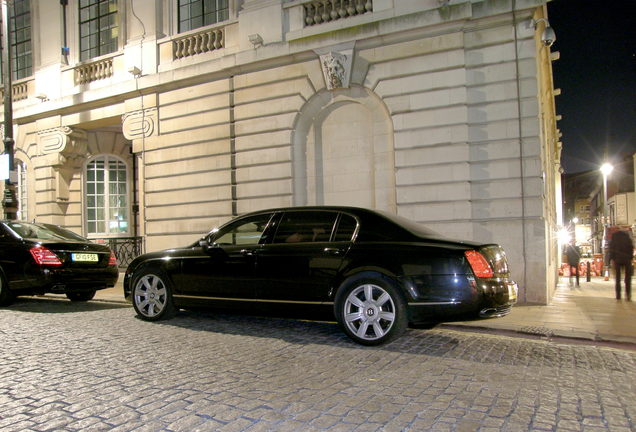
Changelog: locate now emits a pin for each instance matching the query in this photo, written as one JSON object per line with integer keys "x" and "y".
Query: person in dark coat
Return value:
{"x": 574, "y": 257}
{"x": 621, "y": 252}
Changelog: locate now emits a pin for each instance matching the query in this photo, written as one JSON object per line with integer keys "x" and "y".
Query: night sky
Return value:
{"x": 597, "y": 76}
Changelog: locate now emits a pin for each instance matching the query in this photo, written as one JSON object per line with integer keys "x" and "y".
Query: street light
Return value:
{"x": 606, "y": 170}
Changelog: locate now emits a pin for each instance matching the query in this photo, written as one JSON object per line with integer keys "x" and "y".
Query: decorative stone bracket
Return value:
{"x": 140, "y": 124}
{"x": 336, "y": 68}
{"x": 64, "y": 150}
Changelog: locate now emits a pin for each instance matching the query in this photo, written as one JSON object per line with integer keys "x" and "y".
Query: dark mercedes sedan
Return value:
{"x": 38, "y": 258}
{"x": 375, "y": 272}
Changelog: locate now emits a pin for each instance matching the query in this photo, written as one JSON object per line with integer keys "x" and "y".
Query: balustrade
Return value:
{"x": 20, "y": 91}
{"x": 94, "y": 71}
{"x": 322, "y": 11}
{"x": 198, "y": 43}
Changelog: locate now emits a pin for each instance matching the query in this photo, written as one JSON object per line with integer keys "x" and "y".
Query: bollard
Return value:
{"x": 588, "y": 276}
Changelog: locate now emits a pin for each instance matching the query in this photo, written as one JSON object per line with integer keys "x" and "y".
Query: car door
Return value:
{"x": 224, "y": 267}
{"x": 303, "y": 258}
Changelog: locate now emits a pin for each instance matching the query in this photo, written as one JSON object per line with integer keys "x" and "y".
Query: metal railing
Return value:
{"x": 125, "y": 248}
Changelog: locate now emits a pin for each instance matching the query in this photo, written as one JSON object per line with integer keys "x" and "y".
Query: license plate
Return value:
{"x": 512, "y": 292}
{"x": 84, "y": 257}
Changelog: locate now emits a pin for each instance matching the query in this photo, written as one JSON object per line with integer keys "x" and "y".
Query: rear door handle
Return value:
{"x": 333, "y": 251}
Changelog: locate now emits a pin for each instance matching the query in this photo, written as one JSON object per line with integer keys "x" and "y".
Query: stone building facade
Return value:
{"x": 439, "y": 110}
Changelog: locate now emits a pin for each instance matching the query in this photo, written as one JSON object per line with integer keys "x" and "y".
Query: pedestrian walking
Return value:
{"x": 574, "y": 257}
{"x": 621, "y": 253}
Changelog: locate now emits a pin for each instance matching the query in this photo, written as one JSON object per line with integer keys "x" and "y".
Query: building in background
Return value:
{"x": 152, "y": 121}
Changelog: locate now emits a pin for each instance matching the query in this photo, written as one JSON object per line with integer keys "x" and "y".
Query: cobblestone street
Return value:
{"x": 94, "y": 366}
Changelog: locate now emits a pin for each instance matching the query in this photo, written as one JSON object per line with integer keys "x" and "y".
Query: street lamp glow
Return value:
{"x": 607, "y": 169}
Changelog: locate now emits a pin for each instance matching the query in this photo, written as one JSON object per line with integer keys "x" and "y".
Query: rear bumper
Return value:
{"x": 75, "y": 280}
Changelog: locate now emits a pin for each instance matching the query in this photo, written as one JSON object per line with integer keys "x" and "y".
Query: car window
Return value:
{"x": 346, "y": 228}
{"x": 43, "y": 231}
{"x": 246, "y": 231}
{"x": 305, "y": 226}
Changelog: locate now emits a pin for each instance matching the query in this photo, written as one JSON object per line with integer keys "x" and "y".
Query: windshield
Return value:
{"x": 42, "y": 231}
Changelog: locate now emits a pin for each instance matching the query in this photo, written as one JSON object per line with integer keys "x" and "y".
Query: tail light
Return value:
{"x": 44, "y": 257}
{"x": 479, "y": 264}
{"x": 112, "y": 261}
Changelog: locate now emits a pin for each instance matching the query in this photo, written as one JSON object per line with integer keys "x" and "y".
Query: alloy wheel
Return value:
{"x": 369, "y": 312}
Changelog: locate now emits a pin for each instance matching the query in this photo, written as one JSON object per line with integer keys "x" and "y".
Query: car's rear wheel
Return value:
{"x": 6, "y": 296}
{"x": 80, "y": 296}
{"x": 152, "y": 296}
{"x": 371, "y": 311}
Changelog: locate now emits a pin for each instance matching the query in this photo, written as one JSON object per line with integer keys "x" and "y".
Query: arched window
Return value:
{"x": 22, "y": 191}
{"x": 106, "y": 197}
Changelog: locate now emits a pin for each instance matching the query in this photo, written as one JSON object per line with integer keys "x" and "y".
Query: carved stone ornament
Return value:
{"x": 139, "y": 124}
{"x": 336, "y": 68}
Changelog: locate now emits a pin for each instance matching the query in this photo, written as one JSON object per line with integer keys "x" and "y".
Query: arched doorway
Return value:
{"x": 343, "y": 151}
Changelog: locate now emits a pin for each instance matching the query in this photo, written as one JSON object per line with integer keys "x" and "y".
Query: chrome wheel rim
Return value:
{"x": 150, "y": 295}
{"x": 369, "y": 312}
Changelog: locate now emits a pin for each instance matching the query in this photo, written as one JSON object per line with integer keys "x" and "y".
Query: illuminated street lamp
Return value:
{"x": 606, "y": 169}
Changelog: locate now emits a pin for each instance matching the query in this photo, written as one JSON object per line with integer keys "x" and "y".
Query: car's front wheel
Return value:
{"x": 152, "y": 296}
{"x": 371, "y": 311}
{"x": 80, "y": 296}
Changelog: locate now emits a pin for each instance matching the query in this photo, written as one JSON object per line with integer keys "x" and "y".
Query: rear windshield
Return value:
{"x": 42, "y": 231}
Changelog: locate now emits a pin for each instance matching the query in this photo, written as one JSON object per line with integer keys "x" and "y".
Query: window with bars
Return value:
{"x": 21, "y": 48}
{"x": 106, "y": 197}
{"x": 199, "y": 13}
{"x": 99, "y": 28}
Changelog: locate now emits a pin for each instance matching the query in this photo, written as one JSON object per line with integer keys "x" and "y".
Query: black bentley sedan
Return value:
{"x": 38, "y": 258}
{"x": 376, "y": 272}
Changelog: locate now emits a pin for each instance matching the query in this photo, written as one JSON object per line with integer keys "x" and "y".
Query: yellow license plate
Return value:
{"x": 84, "y": 257}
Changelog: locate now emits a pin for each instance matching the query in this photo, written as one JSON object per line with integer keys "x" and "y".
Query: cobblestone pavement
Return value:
{"x": 77, "y": 367}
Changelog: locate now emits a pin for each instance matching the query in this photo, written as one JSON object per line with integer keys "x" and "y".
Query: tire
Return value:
{"x": 371, "y": 311}
{"x": 80, "y": 296}
{"x": 152, "y": 296}
{"x": 6, "y": 296}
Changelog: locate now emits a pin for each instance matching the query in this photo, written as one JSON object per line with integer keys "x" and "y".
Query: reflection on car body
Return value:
{"x": 375, "y": 272}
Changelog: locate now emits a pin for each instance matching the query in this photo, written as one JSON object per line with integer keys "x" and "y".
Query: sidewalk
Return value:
{"x": 588, "y": 312}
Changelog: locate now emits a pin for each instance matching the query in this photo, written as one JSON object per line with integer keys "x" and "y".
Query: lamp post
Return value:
{"x": 606, "y": 169}
{"x": 9, "y": 202}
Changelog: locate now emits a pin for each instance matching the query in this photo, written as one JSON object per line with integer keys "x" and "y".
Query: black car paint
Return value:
{"x": 25, "y": 277}
{"x": 431, "y": 272}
